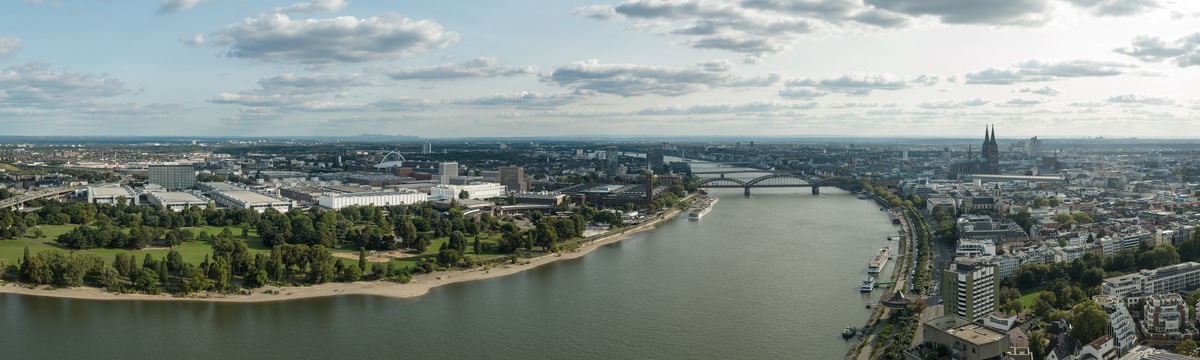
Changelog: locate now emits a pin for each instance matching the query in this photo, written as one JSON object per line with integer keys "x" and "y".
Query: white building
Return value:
{"x": 975, "y": 248}
{"x": 446, "y": 171}
{"x": 1167, "y": 279}
{"x": 1165, "y": 314}
{"x": 1110, "y": 245}
{"x": 1005, "y": 265}
{"x": 174, "y": 200}
{"x": 383, "y": 198}
{"x": 478, "y": 191}
{"x": 969, "y": 289}
{"x": 111, "y": 195}
{"x": 1120, "y": 323}
{"x": 246, "y": 199}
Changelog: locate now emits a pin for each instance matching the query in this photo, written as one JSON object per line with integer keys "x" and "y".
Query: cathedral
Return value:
{"x": 989, "y": 163}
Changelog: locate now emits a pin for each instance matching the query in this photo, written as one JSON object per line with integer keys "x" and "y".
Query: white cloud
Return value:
{"x": 744, "y": 108}
{"x": 1116, "y": 7}
{"x": 174, "y": 6}
{"x": 950, "y": 104}
{"x": 522, "y": 100}
{"x": 1022, "y": 102}
{"x": 277, "y": 38}
{"x": 482, "y": 67}
{"x": 858, "y": 83}
{"x": 1044, "y": 90}
{"x": 988, "y": 12}
{"x": 34, "y": 84}
{"x": 635, "y": 80}
{"x": 314, "y": 6}
{"x": 1138, "y": 100}
{"x": 1184, "y": 51}
{"x": 1038, "y": 70}
{"x": 9, "y": 45}
{"x": 192, "y": 40}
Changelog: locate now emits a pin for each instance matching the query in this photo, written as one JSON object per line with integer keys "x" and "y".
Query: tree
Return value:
{"x": 1092, "y": 277}
{"x": 1088, "y": 321}
{"x": 175, "y": 263}
{"x": 256, "y": 279}
{"x": 1036, "y": 347}
{"x": 362, "y": 258}
{"x": 110, "y": 278}
{"x": 353, "y": 273}
{"x": 477, "y": 246}
{"x": 458, "y": 242}
{"x": 449, "y": 257}
{"x": 1186, "y": 348}
{"x": 197, "y": 283}
{"x": 147, "y": 281}
{"x": 464, "y": 194}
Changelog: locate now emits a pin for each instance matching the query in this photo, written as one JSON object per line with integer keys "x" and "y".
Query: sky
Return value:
{"x": 937, "y": 68}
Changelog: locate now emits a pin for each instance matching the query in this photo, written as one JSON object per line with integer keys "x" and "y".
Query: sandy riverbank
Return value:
{"x": 420, "y": 285}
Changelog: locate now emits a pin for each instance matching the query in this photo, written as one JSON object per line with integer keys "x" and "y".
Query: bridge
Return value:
{"x": 776, "y": 179}
{"x": 17, "y": 201}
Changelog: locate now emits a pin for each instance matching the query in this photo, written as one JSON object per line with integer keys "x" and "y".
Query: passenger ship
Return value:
{"x": 702, "y": 208}
{"x": 868, "y": 284}
{"x": 880, "y": 259}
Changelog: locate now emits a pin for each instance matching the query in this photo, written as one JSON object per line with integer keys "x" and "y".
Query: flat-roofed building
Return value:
{"x": 1164, "y": 280}
{"x": 969, "y": 289}
{"x": 246, "y": 199}
{"x": 513, "y": 178}
{"x": 966, "y": 339}
{"x": 477, "y": 191}
{"x": 381, "y": 198}
{"x": 1120, "y": 323}
{"x": 173, "y": 177}
{"x": 175, "y": 200}
{"x": 111, "y": 195}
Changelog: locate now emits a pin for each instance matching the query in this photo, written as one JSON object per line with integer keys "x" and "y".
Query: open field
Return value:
{"x": 1029, "y": 295}
{"x": 192, "y": 251}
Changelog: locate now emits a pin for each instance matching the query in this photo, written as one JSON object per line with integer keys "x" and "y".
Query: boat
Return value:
{"x": 880, "y": 259}
{"x": 849, "y": 332}
{"x": 703, "y": 207}
{"x": 862, "y": 196}
{"x": 867, "y": 285}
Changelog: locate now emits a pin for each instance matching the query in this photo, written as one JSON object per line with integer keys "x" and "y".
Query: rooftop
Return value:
{"x": 110, "y": 191}
{"x": 176, "y": 197}
{"x": 250, "y": 197}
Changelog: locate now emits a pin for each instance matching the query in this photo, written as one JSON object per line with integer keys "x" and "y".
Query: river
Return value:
{"x": 773, "y": 275}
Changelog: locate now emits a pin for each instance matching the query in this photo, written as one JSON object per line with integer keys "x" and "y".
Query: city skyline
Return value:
{"x": 1053, "y": 68}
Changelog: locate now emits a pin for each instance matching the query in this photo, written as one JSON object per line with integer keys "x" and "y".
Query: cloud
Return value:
{"x": 35, "y": 85}
{"x": 987, "y": 12}
{"x": 314, "y": 6}
{"x": 192, "y": 40}
{"x": 707, "y": 24}
{"x": 1046, "y": 70}
{"x": 402, "y": 104}
{"x": 9, "y": 45}
{"x": 745, "y": 108}
{"x": 1022, "y": 102}
{"x": 174, "y": 6}
{"x": 881, "y": 18}
{"x": 1116, "y": 7}
{"x": 276, "y": 38}
{"x": 523, "y": 100}
{"x": 1184, "y": 51}
{"x": 259, "y": 100}
{"x": 1139, "y": 100}
{"x": 1044, "y": 90}
{"x": 482, "y": 67}
{"x": 859, "y": 84}
{"x": 636, "y": 80}
{"x": 291, "y": 83}
{"x": 950, "y": 104}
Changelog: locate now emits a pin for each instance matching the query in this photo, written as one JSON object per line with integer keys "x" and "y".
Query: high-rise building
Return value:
{"x": 427, "y": 148}
{"x": 988, "y": 163}
{"x": 446, "y": 171}
{"x": 513, "y": 178}
{"x": 173, "y": 177}
{"x": 654, "y": 159}
{"x": 610, "y": 161}
{"x": 1035, "y": 146}
{"x": 969, "y": 289}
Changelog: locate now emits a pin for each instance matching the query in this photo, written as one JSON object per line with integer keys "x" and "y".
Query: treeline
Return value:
{"x": 229, "y": 268}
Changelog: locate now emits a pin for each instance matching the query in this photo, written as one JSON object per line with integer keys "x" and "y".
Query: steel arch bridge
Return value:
{"x": 779, "y": 180}
{"x": 384, "y": 163}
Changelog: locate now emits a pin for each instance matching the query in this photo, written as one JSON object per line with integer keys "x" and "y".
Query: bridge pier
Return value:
{"x": 747, "y": 191}
{"x": 816, "y": 190}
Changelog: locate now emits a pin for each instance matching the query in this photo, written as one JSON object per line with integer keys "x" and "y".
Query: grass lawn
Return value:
{"x": 192, "y": 251}
{"x": 1027, "y": 296}
{"x": 9, "y": 167}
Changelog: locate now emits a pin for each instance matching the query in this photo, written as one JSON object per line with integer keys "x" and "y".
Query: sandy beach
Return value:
{"x": 420, "y": 285}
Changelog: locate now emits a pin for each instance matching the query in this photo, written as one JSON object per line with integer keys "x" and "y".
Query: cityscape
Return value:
{"x": 694, "y": 179}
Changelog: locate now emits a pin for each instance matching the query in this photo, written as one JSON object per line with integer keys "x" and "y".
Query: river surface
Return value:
{"x": 773, "y": 275}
